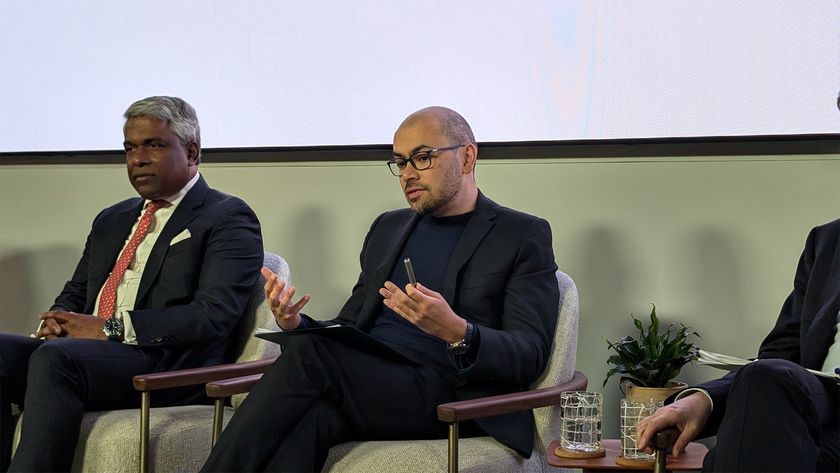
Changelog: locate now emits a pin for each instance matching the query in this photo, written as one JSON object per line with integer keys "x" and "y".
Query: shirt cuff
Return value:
{"x": 129, "y": 335}
{"x": 688, "y": 391}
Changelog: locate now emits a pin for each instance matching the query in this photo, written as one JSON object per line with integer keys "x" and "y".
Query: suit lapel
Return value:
{"x": 183, "y": 215}
{"x": 477, "y": 227}
{"x": 373, "y": 301}
{"x": 401, "y": 234}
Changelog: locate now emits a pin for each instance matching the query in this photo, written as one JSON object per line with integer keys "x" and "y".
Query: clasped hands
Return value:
{"x": 421, "y": 306}
{"x": 60, "y": 324}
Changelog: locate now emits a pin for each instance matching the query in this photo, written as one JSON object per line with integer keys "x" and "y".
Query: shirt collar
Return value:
{"x": 176, "y": 198}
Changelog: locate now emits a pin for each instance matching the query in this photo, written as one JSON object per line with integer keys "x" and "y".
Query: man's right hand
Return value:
{"x": 688, "y": 415}
{"x": 279, "y": 298}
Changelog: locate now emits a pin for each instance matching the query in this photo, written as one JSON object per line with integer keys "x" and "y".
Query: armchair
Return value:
{"x": 174, "y": 438}
{"x": 470, "y": 454}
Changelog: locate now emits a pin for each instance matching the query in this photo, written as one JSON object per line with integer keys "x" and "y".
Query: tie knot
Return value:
{"x": 154, "y": 205}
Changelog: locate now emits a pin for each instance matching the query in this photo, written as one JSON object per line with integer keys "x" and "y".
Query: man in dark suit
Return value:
{"x": 161, "y": 284}
{"x": 772, "y": 414}
{"x": 479, "y": 321}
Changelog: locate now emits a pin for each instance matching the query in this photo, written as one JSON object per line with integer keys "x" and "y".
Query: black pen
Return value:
{"x": 410, "y": 270}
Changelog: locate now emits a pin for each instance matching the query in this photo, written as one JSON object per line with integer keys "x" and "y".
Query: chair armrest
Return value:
{"x": 229, "y": 387}
{"x": 507, "y": 403}
{"x": 189, "y": 377}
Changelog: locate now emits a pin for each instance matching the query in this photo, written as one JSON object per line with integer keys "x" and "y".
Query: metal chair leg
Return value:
{"x": 218, "y": 417}
{"x": 145, "y": 401}
{"x": 453, "y": 447}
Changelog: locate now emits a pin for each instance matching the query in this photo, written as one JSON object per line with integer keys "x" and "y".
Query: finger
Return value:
{"x": 385, "y": 293}
{"x": 272, "y": 285}
{"x": 392, "y": 288}
{"x": 50, "y": 328}
{"x": 649, "y": 427}
{"x": 397, "y": 307}
{"x": 286, "y": 298}
{"x": 426, "y": 291}
{"x": 299, "y": 304}
{"x": 682, "y": 441}
{"x": 267, "y": 273}
{"x": 276, "y": 295}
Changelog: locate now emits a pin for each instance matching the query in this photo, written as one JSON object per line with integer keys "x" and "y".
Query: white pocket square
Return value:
{"x": 181, "y": 237}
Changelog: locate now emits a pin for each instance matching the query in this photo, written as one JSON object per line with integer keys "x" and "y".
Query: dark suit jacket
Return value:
{"x": 805, "y": 327}
{"x": 501, "y": 277}
{"x": 192, "y": 293}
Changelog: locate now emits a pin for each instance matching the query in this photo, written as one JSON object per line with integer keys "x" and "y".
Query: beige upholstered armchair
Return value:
{"x": 178, "y": 438}
{"x": 479, "y": 454}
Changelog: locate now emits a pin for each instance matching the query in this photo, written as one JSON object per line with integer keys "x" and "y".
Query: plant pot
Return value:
{"x": 643, "y": 394}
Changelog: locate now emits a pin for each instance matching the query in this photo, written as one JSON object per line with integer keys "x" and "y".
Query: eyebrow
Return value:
{"x": 416, "y": 149}
{"x": 146, "y": 141}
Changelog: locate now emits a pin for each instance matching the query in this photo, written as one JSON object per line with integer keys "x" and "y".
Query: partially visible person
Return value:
{"x": 479, "y": 322}
{"x": 161, "y": 284}
{"x": 772, "y": 414}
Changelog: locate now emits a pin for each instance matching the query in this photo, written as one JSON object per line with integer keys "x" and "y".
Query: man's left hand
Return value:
{"x": 426, "y": 309}
{"x": 76, "y": 325}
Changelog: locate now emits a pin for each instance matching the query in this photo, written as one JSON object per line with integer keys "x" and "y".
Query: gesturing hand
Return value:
{"x": 426, "y": 309}
{"x": 279, "y": 298}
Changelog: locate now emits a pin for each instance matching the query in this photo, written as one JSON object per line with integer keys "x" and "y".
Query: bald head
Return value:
{"x": 449, "y": 122}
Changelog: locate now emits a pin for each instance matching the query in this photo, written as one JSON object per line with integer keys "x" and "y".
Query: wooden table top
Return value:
{"x": 691, "y": 459}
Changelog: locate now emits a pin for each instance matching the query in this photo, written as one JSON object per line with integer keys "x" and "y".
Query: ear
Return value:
{"x": 192, "y": 153}
{"x": 470, "y": 156}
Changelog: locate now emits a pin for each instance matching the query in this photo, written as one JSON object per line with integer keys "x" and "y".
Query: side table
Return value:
{"x": 691, "y": 459}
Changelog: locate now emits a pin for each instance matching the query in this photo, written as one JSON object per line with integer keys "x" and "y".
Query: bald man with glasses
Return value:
{"x": 478, "y": 322}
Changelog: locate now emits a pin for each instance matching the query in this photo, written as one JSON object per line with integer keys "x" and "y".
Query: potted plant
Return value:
{"x": 648, "y": 364}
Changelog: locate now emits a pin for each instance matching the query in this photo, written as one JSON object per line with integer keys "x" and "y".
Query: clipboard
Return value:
{"x": 344, "y": 334}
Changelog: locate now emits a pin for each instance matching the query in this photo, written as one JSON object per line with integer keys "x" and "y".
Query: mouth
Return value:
{"x": 412, "y": 193}
{"x": 142, "y": 178}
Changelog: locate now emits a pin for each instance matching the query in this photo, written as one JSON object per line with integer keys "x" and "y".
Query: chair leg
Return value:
{"x": 453, "y": 447}
{"x": 218, "y": 417}
{"x": 144, "y": 431}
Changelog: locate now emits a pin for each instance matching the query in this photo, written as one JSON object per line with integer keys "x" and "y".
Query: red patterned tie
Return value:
{"x": 108, "y": 298}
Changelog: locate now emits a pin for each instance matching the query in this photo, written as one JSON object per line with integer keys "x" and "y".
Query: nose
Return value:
{"x": 409, "y": 174}
{"x": 138, "y": 156}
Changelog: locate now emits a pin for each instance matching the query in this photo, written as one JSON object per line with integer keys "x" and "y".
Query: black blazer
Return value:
{"x": 804, "y": 329}
{"x": 501, "y": 277}
{"x": 193, "y": 292}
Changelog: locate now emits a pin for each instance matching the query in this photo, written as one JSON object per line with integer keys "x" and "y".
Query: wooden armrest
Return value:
{"x": 507, "y": 403}
{"x": 229, "y": 387}
{"x": 189, "y": 377}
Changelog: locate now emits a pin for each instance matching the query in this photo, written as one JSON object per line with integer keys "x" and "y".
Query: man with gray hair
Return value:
{"x": 161, "y": 284}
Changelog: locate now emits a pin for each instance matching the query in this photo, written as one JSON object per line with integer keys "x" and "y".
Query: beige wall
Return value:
{"x": 712, "y": 241}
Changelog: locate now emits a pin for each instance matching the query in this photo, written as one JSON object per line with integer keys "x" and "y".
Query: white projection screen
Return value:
{"x": 309, "y": 73}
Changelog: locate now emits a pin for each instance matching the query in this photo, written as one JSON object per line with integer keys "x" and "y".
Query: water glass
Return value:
{"x": 631, "y": 413}
{"x": 581, "y": 424}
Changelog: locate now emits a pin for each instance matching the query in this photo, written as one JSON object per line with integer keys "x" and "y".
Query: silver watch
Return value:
{"x": 113, "y": 329}
{"x": 463, "y": 345}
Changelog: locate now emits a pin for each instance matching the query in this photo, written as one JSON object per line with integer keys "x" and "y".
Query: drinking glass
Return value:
{"x": 581, "y": 424}
{"x": 631, "y": 413}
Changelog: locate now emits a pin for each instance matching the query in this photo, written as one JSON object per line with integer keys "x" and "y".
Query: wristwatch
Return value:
{"x": 113, "y": 329}
{"x": 463, "y": 345}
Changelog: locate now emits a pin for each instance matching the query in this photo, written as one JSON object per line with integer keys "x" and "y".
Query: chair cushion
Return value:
{"x": 423, "y": 456}
{"x": 178, "y": 441}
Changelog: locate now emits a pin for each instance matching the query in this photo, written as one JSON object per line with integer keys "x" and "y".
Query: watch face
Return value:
{"x": 113, "y": 327}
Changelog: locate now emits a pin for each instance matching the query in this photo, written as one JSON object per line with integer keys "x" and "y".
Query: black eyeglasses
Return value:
{"x": 420, "y": 160}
